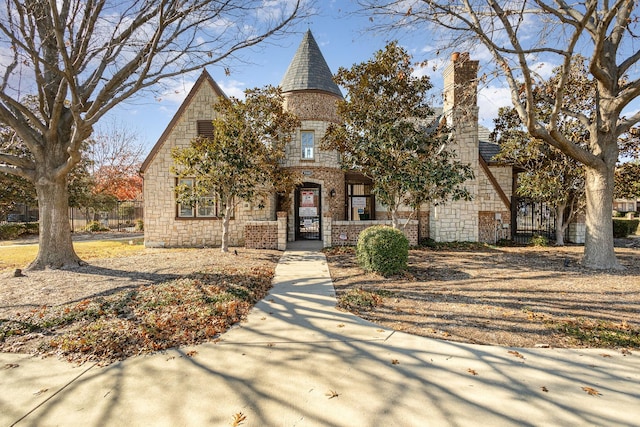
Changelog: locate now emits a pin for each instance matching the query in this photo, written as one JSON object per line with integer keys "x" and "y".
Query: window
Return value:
{"x": 308, "y": 148}
{"x": 360, "y": 202}
{"x": 205, "y": 207}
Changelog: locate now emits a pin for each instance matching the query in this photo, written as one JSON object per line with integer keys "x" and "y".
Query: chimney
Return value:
{"x": 460, "y": 82}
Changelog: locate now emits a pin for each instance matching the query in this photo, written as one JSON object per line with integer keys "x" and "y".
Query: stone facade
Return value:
{"x": 162, "y": 226}
{"x": 345, "y": 233}
{"x": 482, "y": 219}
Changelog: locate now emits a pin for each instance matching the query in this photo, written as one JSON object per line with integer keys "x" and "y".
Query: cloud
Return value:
{"x": 233, "y": 88}
{"x": 490, "y": 99}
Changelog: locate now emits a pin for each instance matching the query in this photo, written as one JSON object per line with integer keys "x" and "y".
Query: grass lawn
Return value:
{"x": 19, "y": 256}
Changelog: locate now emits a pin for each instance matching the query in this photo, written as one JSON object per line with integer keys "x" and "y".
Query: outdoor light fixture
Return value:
{"x": 332, "y": 193}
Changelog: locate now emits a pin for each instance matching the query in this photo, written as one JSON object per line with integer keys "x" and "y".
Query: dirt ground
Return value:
{"x": 45, "y": 297}
{"x": 510, "y": 296}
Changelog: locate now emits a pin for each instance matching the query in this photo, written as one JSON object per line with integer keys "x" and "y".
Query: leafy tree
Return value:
{"x": 242, "y": 161}
{"x": 81, "y": 59}
{"x": 628, "y": 180}
{"x": 116, "y": 155}
{"x": 386, "y": 133}
{"x": 518, "y": 36}
{"x": 549, "y": 175}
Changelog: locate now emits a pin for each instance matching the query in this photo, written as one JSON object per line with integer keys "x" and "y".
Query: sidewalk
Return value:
{"x": 297, "y": 361}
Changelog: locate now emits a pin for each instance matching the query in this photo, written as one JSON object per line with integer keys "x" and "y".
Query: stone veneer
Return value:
{"x": 345, "y": 233}
{"x": 162, "y": 226}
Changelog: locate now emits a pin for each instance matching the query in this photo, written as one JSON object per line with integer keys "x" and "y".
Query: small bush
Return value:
{"x": 355, "y": 299}
{"x": 139, "y": 225}
{"x": 95, "y": 226}
{"x": 539, "y": 240}
{"x": 32, "y": 228}
{"x": 623, "y": 227}
{"x": 382, "y": 249}
{"x": 12, "y": 231}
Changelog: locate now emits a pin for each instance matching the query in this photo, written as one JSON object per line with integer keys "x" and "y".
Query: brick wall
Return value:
{"x": 490, "y": 229}
{"x": 261, "y": 235}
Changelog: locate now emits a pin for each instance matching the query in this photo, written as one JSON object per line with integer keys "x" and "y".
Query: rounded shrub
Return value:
{"x": 382, "y": 249}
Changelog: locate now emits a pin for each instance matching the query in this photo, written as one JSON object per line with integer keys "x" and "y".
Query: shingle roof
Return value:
{"x": 308, "y": 69}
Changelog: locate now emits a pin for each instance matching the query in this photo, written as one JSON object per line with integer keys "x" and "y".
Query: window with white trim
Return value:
{"x": 307, "y": 145}
{"x": 205, "y": 207}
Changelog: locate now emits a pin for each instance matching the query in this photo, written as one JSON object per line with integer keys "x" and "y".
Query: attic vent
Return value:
{"x": 205, "y": 128}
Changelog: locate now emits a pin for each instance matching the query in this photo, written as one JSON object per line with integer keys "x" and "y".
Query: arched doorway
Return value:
{"x": 308, "y": 209}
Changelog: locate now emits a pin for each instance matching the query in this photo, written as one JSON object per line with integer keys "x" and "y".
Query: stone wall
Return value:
{"x": 312, "y": 105}
{"x": 458, "y": 221}
{"x": 162, "y": 226}
{"x": 345, "y": 233}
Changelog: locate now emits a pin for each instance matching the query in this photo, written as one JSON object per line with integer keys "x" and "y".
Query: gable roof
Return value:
{"x": 205, "y": 77}
{"x": 308, "y": 70}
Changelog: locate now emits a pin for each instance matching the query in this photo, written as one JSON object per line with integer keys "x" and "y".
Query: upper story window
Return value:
{"x": 308, "y": 145}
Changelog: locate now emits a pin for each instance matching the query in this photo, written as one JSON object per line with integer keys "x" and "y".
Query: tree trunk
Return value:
{"x": 55, "y": 248}
{"x": 598, "y": 247}
{"x": 560, "y": 225}
{"x": 394, "y": 218}
{"x": 224, "y": 247}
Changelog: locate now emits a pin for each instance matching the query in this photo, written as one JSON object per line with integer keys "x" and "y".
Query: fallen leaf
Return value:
{"x": 341, "y": 325}
{"x": 516, "y": 354}
{"x": 191, "y": 353}
{"x": 472, "y": 371}
{"x": 625, "y": 352}
{"x": 543, "y": 388}
{"x": 592, "y": 391}
{"x": 263, "y": 318}
{"x": 395, "y": 362}
{"x": 379, "y": 330}
{"x": 39, "y": 392}
{"x": 238, "y": 419}
{"x": 332, "y": 394}
{"x": 605, "y": 355}
{"x": 11, "y": 366}
{"x": 270, "y": 344}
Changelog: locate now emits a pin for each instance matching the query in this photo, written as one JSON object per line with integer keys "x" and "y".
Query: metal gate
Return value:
{"x": 532, "y": 219}
{"x": 308, "y": 210}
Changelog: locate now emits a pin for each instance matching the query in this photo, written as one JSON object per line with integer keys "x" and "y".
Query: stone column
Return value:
{"x": 282, "y": 231}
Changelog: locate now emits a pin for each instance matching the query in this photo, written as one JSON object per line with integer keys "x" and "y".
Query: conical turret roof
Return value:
{"x": 308, "y": 69}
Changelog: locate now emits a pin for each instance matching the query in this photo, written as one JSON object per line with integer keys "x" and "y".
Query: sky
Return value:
{"x": 343, "y": 39}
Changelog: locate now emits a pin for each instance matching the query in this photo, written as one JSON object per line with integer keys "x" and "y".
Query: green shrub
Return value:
{"x": 95, "y": 226}
{"x": 539, "y": 240}
{"x": 32, "y": 228}
{"x": 139, "y": 225}
{"x": 382, "y": 249}
{"x": 623, "y": 227}
{"x": 12, "y": 231}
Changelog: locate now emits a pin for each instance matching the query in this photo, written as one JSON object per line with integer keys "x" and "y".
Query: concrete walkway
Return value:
{"x": 297, "y": 361}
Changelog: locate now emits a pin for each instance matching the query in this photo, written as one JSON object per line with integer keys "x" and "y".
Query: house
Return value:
{"x": 329, "y": 204}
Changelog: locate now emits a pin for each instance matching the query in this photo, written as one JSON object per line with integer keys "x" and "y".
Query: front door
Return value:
{"x": 308, "y": 226}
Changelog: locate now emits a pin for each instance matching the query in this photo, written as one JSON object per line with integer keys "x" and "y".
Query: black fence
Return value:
{"x": 532, "y": 219}
{"x": 126, "y": 215}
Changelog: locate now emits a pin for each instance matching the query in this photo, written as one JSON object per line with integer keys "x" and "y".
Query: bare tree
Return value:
{"x": 116, "y": 153}
{"x": 81, "y": 58}
{"x": 519, "y": 36}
